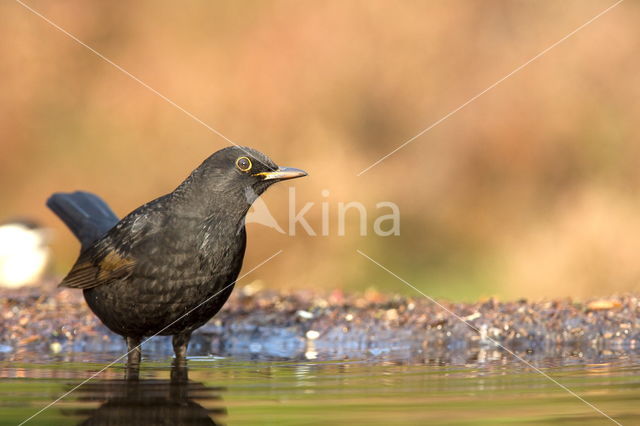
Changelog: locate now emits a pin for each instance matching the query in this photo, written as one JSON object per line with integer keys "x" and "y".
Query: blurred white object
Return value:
{"x": 24, "y": 253}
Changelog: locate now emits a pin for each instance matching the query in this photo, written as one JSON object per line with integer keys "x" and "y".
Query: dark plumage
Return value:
{"x": 142, "y": 274}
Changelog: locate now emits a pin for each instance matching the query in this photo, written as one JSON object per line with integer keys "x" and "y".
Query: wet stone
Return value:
{"x": 305, "y": 324}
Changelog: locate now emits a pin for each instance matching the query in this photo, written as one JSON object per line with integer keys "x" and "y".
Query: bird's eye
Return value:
{"x": 244, "y": 164}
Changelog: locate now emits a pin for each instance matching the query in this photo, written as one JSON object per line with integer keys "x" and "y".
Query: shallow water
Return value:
{"x": 489, "y": 387}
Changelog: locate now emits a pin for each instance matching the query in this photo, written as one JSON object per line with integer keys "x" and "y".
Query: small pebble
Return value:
{"x": 305, "y": 314}
{"x": 55, "y": 347}
{"x": 473, "y": 316}
{"x": 599, "y": 305}
{"x": 312, "y": 334}
{"x": 391, "y": 315}
{"x": 252, "y": 288}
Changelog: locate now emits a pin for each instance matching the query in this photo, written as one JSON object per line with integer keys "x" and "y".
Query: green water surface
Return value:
{"x": 491, "y": 390}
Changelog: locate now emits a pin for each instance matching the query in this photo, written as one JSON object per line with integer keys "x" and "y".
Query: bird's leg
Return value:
{"x": 133, "y": 372}
{"x": 180, "y": 343}
{"x": 134, "y": 350}
{"x": 133, "y": 357}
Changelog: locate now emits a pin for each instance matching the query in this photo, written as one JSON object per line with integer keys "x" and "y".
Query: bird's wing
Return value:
{"x": 113, "y": 256}
{"x": 93, "y": 269}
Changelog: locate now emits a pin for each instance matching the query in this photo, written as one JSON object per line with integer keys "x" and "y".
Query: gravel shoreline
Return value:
{"x": 305, "y": 324}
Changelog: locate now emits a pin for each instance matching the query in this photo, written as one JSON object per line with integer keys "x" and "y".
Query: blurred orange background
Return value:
{"x": 529, "y": 191}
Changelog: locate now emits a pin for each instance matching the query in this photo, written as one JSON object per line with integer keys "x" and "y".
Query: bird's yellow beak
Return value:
{"x": 282, "y": 173}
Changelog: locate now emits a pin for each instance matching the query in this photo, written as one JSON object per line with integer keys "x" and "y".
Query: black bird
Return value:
{"x": 169, "y": 266}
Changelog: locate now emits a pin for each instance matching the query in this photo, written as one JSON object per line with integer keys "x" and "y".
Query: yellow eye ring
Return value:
{"x": 244, "y": 164}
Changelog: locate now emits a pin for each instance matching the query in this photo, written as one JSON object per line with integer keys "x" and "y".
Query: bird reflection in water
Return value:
{"x": 132, "y": 401}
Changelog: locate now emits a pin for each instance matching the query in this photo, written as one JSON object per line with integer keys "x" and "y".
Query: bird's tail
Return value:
{"x": 86, "y": 215}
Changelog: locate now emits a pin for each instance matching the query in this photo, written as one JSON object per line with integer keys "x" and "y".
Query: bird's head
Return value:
{"x": 238, "y": 171}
